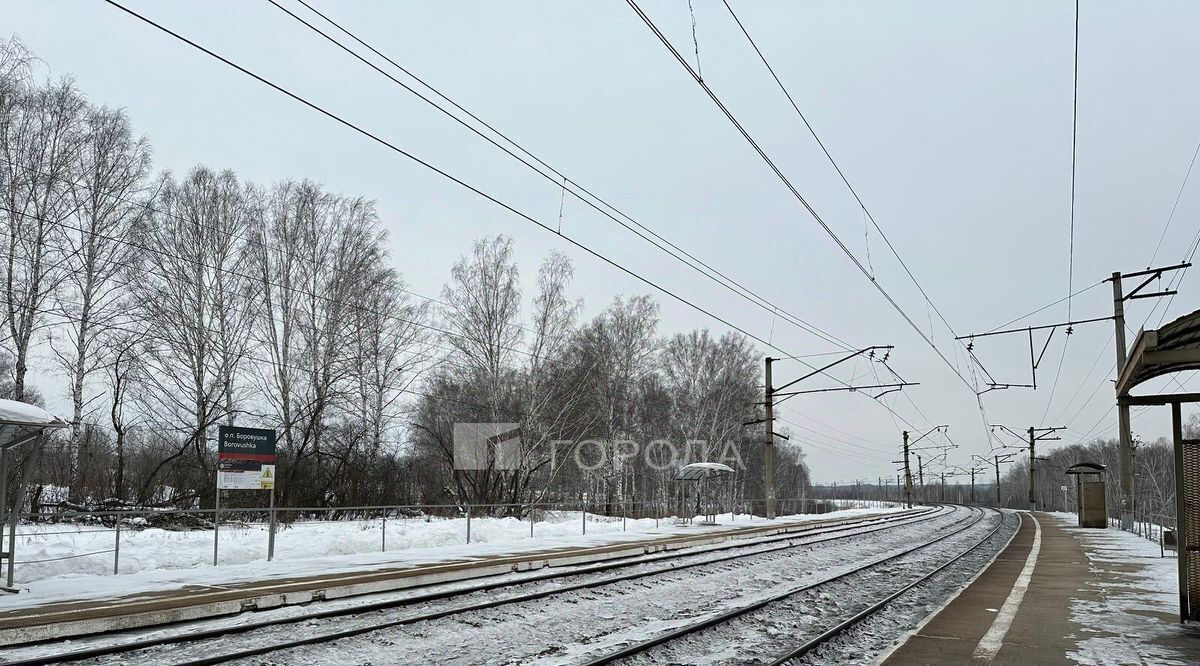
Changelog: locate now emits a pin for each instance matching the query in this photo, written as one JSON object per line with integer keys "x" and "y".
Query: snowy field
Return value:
{"x": 62, "y": 562}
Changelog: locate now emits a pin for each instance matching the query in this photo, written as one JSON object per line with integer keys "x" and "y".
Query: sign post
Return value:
{"x": 245, "y": 461}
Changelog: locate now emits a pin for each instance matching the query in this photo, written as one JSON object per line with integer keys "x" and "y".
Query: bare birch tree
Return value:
{"x": 483, "y": 307}
{"x": 193, "y": 294}
{"x": 112, "y": 168}
{"x": 319, "y": 269}
{"x": 41, "y": 138}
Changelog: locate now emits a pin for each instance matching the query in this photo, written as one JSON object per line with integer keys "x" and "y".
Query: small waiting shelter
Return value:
{"x": 698, "y": 477}
{"x": 1171, "y": 349}
{"x": 22, "y": 429}
{"x": 1090, "y": 501}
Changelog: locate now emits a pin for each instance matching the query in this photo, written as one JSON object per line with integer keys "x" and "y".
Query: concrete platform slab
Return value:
{"x": 1065, "y": 609}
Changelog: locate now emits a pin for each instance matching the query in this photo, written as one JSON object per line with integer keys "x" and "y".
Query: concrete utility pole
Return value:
{"x": 908, "y": 484}
{"x": 1036, "y": 434}
{"x": 1032, "y": 469}
{"x": 1119, "y": 298}
{"x": 769, "y": 446}
{"x": 1123, "y": 409}
{"x": 997, "y": 482}
{"x": 921, "y": 475}
{"x": 943, "y": 492}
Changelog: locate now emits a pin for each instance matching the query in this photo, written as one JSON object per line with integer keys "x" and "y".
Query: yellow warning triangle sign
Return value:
{"x": 266, "y": 473}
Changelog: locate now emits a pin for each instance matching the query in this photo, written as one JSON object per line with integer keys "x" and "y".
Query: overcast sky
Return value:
{"x": 952, "y": 120}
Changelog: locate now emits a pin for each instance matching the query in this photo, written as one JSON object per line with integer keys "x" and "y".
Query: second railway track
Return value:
{"x": 786, "y": 626}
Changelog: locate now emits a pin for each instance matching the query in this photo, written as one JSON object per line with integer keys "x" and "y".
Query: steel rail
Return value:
{"x": 711, "y": 621}
{"x": 845, "y": 625}
{"x": 871, "y": 524}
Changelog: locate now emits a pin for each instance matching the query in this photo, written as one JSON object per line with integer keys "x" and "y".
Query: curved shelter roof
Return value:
{"x": 702, "y": 470}
{"x": 1173, "y": 348}
{"x": 1085, "y": 468}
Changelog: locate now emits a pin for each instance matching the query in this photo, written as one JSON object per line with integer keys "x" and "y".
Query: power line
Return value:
{"x": 441, "y": 172}
{"x": 795, "y": 192}
{"x": 1071, "y": 248}
{"x": 837, "y": 167}
{"x": 553, "y": 175}
{"x": 1175, "y": 205}
{"x": 1074, "y": 135}
{"x": 1044, "y": 307}
{"x": 383, "y": 142}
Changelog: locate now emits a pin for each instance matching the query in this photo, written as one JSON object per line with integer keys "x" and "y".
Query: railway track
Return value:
{"x": 113, "y": 647}
{"x": 694, "y": 629}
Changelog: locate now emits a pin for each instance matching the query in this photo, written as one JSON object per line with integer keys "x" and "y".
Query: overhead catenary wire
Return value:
{"x": 1044, "y": 307}
{"x": 1074, "y": 143}
{"x": 1175, "y": 205}
{"x": 551, "y": 174}
{"x": 974, "y": 388}
{"x": 794, "y": 191}
{"x": 1071, "y": 238}
{"x": 445, "y": 174}
{"x": 837, "y": 167}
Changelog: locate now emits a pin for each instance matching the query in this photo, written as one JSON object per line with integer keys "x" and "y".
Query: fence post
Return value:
{"x": 117, "y": 546}
{"x": 531, "y": 517}
{"x": 271, "y": 532}
{"x": 216, "y": 526}
{"x": 383, "y": 534}
{"x": 468, "y": 523}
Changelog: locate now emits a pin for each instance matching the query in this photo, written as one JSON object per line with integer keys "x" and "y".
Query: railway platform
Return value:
{"x": 64, "y": 619}
{"x": 1060, "y": 594}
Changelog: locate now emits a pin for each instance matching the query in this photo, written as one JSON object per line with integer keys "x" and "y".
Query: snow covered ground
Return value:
{"x": 63, "y": 562}
{"x": 587, "y": 614}
{"x": 1137, "y": 623}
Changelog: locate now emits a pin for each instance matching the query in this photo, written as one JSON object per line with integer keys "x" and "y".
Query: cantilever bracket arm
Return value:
{"x": 865, "y": 350}
{"x": 893, "y": 387}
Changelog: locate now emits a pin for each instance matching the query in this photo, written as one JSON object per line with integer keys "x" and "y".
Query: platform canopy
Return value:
{"x": 17, "y": 413}
{"x": 1173, "y": 348}
{"x": 702, "y": 470}
{"x": 1085, "y": 468}
{"x": 21, "y": 422}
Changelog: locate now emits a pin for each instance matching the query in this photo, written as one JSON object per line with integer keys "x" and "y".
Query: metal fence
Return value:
{"x": 116, "y": 524}
{"x": 1153, "y": 527}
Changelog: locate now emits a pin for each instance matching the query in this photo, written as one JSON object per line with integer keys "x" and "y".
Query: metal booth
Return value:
{"x": 707, "y": 496}
{"x": 1090, "y": 501}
